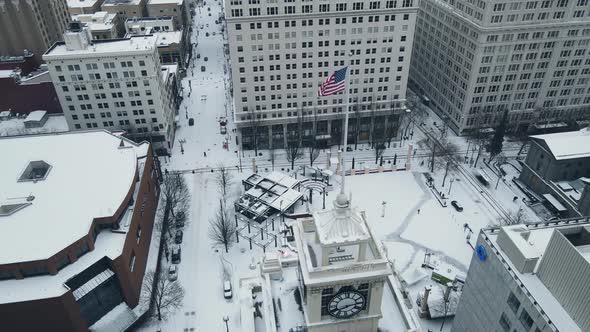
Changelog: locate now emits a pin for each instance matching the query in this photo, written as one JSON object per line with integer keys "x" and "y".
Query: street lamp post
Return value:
{"x": 282, "y": 214}
{"x": 226, "y": 319}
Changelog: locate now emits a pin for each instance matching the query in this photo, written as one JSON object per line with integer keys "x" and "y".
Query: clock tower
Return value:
{"x": 342, "y": 270}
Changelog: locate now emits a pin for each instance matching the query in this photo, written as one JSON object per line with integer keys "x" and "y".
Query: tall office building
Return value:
{"x": 281, "y": 51}
{"x": 473, "y": 59}
{"x": 529, "y": 278}
{"x": 31, "y": 24}
{"x": 114, "y": 84}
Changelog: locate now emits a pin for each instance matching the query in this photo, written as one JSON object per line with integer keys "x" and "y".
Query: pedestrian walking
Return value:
{"x": 418, "y": 211}
{"x": 205, "y": 154}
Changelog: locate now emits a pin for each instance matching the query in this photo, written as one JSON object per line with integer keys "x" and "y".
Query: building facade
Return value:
{"x": 516, "y": 279}
{"x": 33, "y": 25}
{"x": 281, "y": 51}
{"x": 97, "y": 257}
{"x": 113, "y": 84}
{"x": 474, "y": 59}
{"x": 342, "y": 270}
{"x": 557, "y": 167}
{"x": 78, "y": 7}
{"x": 171, "y": 8}
{"x": 24, "y": 94}
{"x": 102, "y": 25}
{"x": 126, "y": 8}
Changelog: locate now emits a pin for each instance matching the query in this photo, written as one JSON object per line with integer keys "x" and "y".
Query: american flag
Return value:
{"x": 334, "y": 84}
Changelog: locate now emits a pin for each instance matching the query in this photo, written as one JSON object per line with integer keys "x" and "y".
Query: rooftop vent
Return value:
{"x": 35, "y": 171}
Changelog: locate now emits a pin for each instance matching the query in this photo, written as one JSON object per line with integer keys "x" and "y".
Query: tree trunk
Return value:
{"x": 293, "y": 164}
{"x": 478, "y": 154}
{"x": 521, "y": 148}
{"x": 226, "y": 250}
{"x": 446, "y": 172}
{"x": 159, "y": 313}
{"x": 432, "y": 158}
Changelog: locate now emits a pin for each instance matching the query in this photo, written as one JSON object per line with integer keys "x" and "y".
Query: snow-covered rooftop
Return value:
{"x": 113, "y": 47}
{"x": 166, "y": 38}
{"x": 161, "y": 2}
{"x": 568, "y": 145}
{"x": 340, "y": 225}
{"x": 121, "y": 2}
{"x": 81, "y": 3}
{"x": 99, "y": 21}
{"x": 89, "y": 177}
{"x": 109, "y": 244}
{"x": 36, "y": 116}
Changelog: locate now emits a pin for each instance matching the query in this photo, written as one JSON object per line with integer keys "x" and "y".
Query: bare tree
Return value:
{"x": 272, "y": 155}
{"x": 313, "y": 149}
{"x": 357, "y": 125}
{"x": 294, "y": 147}
{"x": 223, "y": 179}
{"x": 254, "y": 120}
{"x": 167, "y": 296}
{"x": 176, "y": 194}
{"x": 477, "y": 134}
{"x": 513, "y": 217}
{"x": 221, "y": 229}
{"x": 390, "y": 131}
{"x": 417, "y": 114}
{"x": 442, "y": 154}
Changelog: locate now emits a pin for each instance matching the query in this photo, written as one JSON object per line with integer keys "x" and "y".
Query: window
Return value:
{"x": 505, "y": 323}
{"x": 326, "y": 297}
{"x": 138, "y": 233}
{"x": 513, "y": 302}
{"x": 132, "y": 262}
{"x": 526, "y": 320}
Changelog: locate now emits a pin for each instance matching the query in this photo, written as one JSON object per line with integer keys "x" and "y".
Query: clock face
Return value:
{"x": 346, "y": 304}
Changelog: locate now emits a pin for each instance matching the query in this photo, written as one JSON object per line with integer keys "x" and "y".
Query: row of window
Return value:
{"x": 94, "y": 66}
{"x": 322, "y": 8}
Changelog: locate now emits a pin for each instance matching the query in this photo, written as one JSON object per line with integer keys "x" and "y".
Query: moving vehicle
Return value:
{"x": 457, "y": 206}
{"x": 227, "y": 289}
{"x": 206, "y": 34}
{"x": 223, "y": 130}
{"x": 198, "y": 55}
{"x": 481, "y": 177}
{"x": 191, "y": 122}
{"x": 202, "y": 68}
{"x": 173, "y": 272}
{"x": 176, "y": 255}
{"x": 206, "y": 58}
{"x": 178, "y": 237}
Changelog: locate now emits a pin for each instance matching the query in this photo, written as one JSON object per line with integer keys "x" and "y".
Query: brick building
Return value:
{"x": 75, "y": 228}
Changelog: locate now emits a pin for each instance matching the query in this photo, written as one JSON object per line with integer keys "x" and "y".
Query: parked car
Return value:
{"x": 173, "y": 272}
{"x": 206, "y": 58}
{"x": 457, "y": 206}
{"x": 191, "y": 122}
{"x": 206, "y": 34}
{"x": 180, "y": 217}
{"x": 227, "y": 289}
{"x": 176, "y": 255}
{"x": 216, "y": 22}
{"x": 178, "y": 237}
{"x": 348, "y": 149}
{"x": 202, "y": 68}
{"x": 198, "y": 55}
{"x": 214, "y": 33}
{"x": 223, "y": 130}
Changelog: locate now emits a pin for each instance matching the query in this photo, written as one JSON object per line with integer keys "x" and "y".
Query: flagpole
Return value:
{"x": 345, "y": 136}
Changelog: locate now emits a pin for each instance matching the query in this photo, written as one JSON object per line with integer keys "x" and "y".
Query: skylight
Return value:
{"x": 8, "y": 209}
{"x": 36, "y": 171}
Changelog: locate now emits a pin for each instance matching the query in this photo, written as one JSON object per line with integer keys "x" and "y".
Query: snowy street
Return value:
{"x": 406, "y": 213}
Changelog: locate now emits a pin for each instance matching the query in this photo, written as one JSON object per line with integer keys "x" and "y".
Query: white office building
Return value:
{"x": 281, "y": 51}
{"x": 474, "y": 59}
{"x": 113, "y": 84}
{"x": 531, "y": 278}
